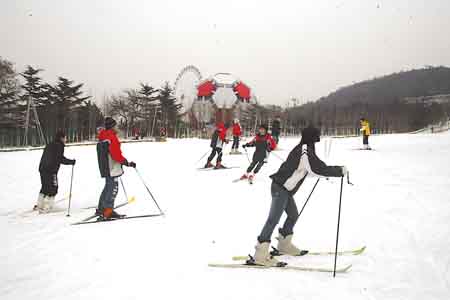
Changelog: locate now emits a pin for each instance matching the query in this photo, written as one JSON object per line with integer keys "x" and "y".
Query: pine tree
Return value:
{"x": 65, "y": 98}
{"x": 150, "y": 106}
{"x": 169, "y": 108}
{"x": 9, "y": 95}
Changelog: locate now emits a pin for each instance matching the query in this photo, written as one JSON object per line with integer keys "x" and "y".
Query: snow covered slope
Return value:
{"x": 399, "y": 207}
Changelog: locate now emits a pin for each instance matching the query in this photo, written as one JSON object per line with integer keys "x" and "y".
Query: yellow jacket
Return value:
{"x": 365, "y": 128}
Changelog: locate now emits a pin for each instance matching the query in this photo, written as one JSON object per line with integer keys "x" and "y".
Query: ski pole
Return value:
{"x": 70, "y": 193}
{"x": 203, "y": 156}
{"x": 348, "y": 179}
{"x": 148, "y": 190}
{"x": 277, "y": 156}
{"x": 123, "y": 187}
{"x": 246, "y": 154}
{"x": 310, "y": 194}
{"x": 337, "y": 233}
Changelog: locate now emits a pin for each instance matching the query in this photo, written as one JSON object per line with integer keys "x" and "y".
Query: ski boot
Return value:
{"x": 208, "y": 165}
{"x": 243, "y": 177}
{"x": 263, "y": 258}
{"x": 48, "y": 204}
{"x": 251, "y": 178}
{"x": 286, "y": 247}
{"x": 110, "y": 214}
{"x": 219, "y": 166}
{"x": 40, "y": 202}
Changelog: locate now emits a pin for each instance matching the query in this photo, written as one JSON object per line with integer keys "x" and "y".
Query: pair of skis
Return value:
{"x": 250, "y": 180}
{"x": 283, "y": 266}
{"x": 90, "y": 221}
{"x": 216, "y": 169}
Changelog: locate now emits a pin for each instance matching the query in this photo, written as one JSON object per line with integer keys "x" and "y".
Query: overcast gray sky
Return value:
{"x": 282, "y": 48}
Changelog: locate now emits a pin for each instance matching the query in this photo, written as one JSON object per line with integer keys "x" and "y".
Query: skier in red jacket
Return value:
{"x": 237, "y": 132}
{"x": 218, "y": 140}
{"x": 110, "y": 161}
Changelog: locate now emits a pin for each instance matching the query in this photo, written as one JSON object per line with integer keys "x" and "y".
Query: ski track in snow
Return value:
{"x": 399, "y": 207}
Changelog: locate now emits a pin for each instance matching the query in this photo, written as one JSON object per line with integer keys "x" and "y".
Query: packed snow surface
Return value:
{"x": 399, "y": 207}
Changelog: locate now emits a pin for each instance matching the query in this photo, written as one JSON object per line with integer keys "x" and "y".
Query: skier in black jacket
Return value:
{"x": 264, "y": 144}
{"x": 301, "y": 162}
{"x": 52, "y": 158}
{"x": 276, "y": 130}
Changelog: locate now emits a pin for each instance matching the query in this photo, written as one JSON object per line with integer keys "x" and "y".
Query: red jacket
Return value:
{"x": 114, "y": 145}
{"x": 263, "y": 143}
{"x": 222, "y": 131}
{"x": 237, "y": 129}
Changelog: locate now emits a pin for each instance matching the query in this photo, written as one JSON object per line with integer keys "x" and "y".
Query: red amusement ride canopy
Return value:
{"x": 242, "y": 90}
{"x": 206, "y": 89}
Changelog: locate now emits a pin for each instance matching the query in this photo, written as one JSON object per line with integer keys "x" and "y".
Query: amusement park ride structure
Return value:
{"x": 221, "y": 97}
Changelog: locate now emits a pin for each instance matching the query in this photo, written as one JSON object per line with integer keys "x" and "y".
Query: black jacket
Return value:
{"x": 276, "y": 128}
{"x": 53, "y": 157}
{"x": 301, "y": 162}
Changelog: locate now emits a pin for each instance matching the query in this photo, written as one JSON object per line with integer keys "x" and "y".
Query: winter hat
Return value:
{"x": 59, "y": 135}
{"x": 110, "y": 123}
{"x": 236, "y": 121}
{"x": 264, "y": 126}
{"x": 310, "y": 135}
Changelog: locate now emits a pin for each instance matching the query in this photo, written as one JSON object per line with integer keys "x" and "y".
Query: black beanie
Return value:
{"x": 59, "y": 134}
{"x": 110, "y": 123}
{"x": 310, "y": 136}
{"x": 263, "y": 126}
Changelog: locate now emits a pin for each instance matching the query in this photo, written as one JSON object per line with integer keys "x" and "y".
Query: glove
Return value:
{"x": 132, "y": 164}
{"x": 73, "y": 162}
{"x": 344, "y": 170}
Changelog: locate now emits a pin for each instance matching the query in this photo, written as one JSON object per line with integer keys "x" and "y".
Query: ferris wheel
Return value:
{"x": 186, "y": 86}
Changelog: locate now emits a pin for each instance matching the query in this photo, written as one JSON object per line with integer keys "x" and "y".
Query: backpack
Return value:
{"x": 103, "y": 158}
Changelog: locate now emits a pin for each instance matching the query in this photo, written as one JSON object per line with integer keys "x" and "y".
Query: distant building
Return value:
{"x": 428, "y": 100}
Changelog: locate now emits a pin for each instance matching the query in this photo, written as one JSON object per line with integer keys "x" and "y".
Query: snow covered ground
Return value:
{"x": 399, "y": 207}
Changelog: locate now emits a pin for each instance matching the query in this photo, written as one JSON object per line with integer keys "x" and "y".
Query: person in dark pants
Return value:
{"x": 110, "y": 162}
{"x": 264, "y": 144}
{"x": 276, "y": 130}
{"x": 218, "y": 140}
{"x": 365, "y": 130}
{"x": 301, "y": 162}
{"x": 237, "y": 132}
{"x": 52, "y": 158}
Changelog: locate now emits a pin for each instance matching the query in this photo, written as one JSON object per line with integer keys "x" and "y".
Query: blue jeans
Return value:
{"x": 109, "y": 193}
{"x": 281, "y": 201}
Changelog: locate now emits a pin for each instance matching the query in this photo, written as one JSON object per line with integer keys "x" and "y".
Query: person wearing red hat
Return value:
{"x": 218, "y": 140}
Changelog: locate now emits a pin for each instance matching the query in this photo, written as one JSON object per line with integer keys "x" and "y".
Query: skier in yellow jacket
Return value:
{"x": 365, "y": 130}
